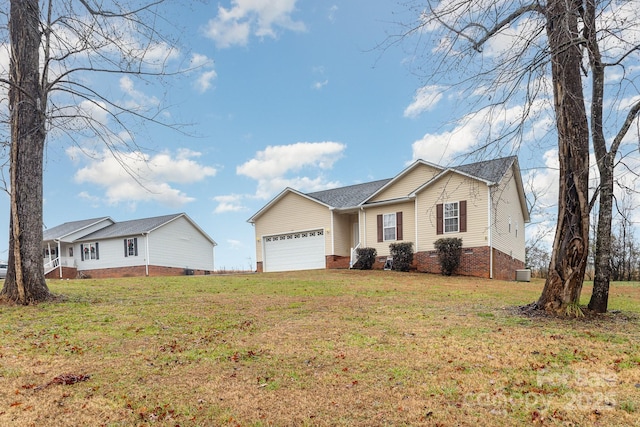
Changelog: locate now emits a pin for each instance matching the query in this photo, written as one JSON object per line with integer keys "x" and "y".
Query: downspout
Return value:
{"x": 363, "y": 237}
{"x": 146, "y": 250}
{"x": 415, "y": 208}
{"x": 490, "y": 234}
{"x": 332, "y": 232}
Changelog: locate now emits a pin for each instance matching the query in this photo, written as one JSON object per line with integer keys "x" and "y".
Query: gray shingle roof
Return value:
{"x": 131, "y": 228}
{"x": 489, "y": 170}
{"x": 353, "y": 195}
{"x": 67, "y": 228}
{"x": 350, "y": 196}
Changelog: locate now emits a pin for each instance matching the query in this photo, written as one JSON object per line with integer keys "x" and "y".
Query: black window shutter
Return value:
{"x": 399, "y": 225}
{"x": 126, "y": 249}
{"x": 439, "y": 218}
{"x": 81, "y": 252}
{"x": 97, "y": 252}
{"x": 380, "y": 235}
{"x": 463, "y": 216}
{"x": 135, "y": 245}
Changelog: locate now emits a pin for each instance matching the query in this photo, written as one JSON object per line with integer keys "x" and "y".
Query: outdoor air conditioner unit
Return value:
{"x": 523, "y": 275}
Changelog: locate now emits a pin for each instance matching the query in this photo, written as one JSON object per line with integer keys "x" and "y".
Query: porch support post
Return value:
{"x": 362, "y": 219}
{"x": 490, "y": 234}
{"x": 59, "y": 263}
{"x": 332, "y": 231}
{"x": 415, "y": 208}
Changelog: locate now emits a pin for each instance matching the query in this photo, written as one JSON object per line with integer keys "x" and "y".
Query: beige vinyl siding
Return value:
{"x": 292, "y": 213}
{"x": 408, "y": 183}
{"x": 506, "y": 204}
{"x": 453, "y": 188}
{"x": 342, "y": 233}
{"x": 408, "y": 225}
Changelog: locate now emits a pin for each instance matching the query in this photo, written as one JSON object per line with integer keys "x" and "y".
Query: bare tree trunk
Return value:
{"x": 600, "y": 295}
{"x": 25, "y": 282}
{"x": 569, "y": 256}
{"x": 602, "y": 263}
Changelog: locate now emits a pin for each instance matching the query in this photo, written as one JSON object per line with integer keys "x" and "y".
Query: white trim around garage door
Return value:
{"x": 302, "y": 250}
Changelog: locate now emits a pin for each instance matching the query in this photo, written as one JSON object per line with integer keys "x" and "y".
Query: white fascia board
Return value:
{"x": 388, "y": 202}
{"x": 400, "y": 175}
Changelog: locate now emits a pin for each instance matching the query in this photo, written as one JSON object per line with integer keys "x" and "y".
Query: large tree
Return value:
{"x": 512, "y": 53}
{"x": 51, "y": 50}
{"x": 605, "y": 157}
{"x": 25, "y": 281}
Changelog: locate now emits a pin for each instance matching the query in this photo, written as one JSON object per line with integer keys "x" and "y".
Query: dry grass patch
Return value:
{"x": 316, "y": 348}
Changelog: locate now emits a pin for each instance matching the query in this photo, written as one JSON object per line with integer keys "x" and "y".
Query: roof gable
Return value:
{"x": 61, "y": 231}
{"x": 276, "y": 199}
{"x": 404, "y": 184}
{"x": 490, "y": 172}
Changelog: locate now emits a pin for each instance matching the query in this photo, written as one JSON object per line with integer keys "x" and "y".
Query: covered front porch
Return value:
{"x": 58, "y": 260}
{"x": 345, "y": 238}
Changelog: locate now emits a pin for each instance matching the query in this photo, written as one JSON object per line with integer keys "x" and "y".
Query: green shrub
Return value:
{"x": 366, "y": 258}
{"x": 449, "y": 253}
{"x": 402, "y": 254}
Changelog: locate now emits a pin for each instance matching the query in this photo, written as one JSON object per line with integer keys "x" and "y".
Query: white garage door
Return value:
{"x": 294, "y": 251}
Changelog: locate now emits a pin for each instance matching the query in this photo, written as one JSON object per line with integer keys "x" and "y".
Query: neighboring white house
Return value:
{"x": 166, "y": 245}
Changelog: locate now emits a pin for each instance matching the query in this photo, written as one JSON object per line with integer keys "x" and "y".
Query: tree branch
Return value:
{"x": 108, "y": 14}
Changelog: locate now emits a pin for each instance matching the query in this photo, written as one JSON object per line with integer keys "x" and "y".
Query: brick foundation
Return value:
{"x": 138, "y": 271}
{"x": 474, "y": 262}
{"x": 67, "y": 273}
{"x": 336, "y": 261}
{"x": 504, "y": 267}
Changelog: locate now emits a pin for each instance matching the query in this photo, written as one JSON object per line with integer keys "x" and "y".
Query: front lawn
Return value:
{"x": 316, "y": 348}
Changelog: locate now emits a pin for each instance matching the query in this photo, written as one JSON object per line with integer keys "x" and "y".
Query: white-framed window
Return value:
{"x": 89, "y": 251}
{"x": 451, "y": 217}
{"x": 389, "y": 227}
{"x": 131, "y": 247}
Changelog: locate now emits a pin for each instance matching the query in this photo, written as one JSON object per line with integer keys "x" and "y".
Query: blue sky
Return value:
{"x": 288, "y": 93}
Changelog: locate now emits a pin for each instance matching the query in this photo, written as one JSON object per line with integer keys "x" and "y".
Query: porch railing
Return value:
{"x": 51, "y": 265}
{"x": 354, "y": 256}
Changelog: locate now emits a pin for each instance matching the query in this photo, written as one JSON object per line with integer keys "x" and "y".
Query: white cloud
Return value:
{"x": 138, "y": 177}
{"x": 443, "y": 147}
{"x": 320, "y": 85}
{"x": 138, "y": 100}
{"x": 204, "y": 65}
{"x": 274, "y": 166}
{"x": 229, "y": 203}
{"x": 476, "y": 128}
{"x": 425, "y": 99}
{"x": 203, "y": 82}
{"x": 234, "y": 26}
{"x": 332, "y": 13}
